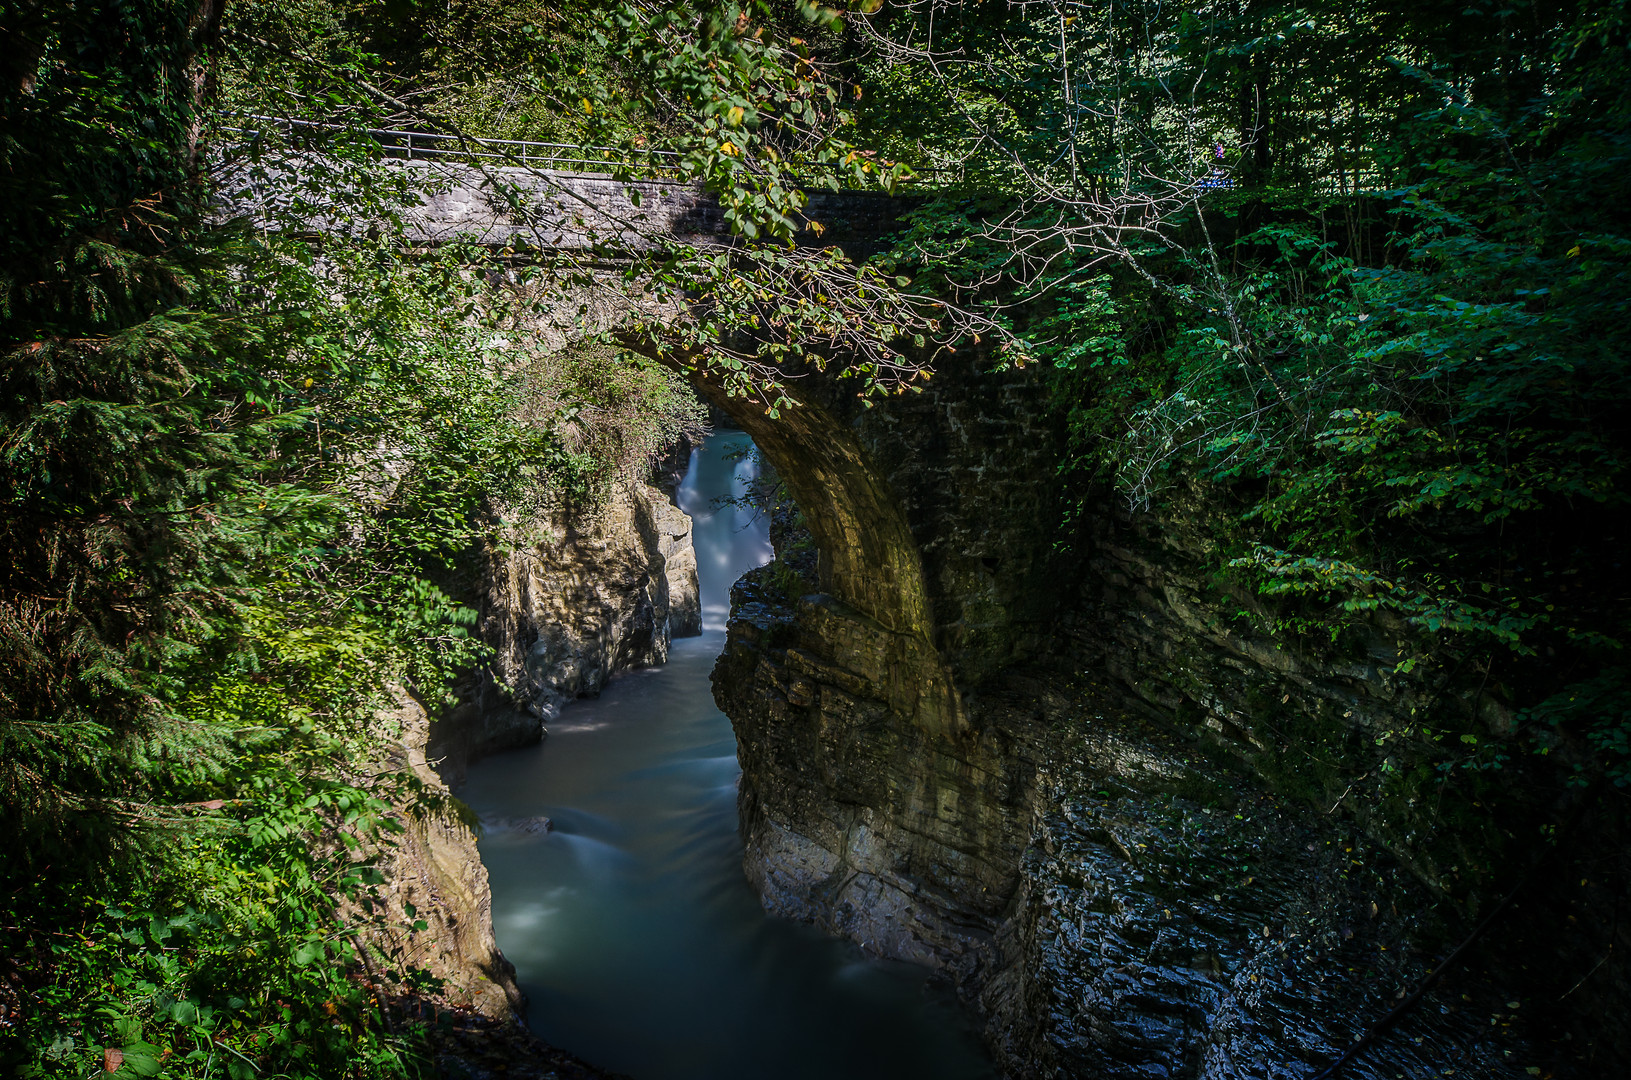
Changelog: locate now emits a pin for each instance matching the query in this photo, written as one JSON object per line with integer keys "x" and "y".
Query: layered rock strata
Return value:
{"x": 1059, "y": 779}
{"x": 902, "y": 838}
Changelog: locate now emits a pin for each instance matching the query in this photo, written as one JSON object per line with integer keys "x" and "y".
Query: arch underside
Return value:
{"x": 874, "y": 600}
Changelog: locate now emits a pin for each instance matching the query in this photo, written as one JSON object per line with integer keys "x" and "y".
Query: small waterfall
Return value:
{"x": 730, "y": 538}
{"x": 640, "y": 945}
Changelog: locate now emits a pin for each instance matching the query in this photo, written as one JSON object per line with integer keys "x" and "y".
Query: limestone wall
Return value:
{"x": 573, "y": 599}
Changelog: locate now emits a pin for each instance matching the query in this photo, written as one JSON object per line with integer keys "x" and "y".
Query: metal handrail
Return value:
{"x": 421, "y": 145}
{"x": 412, "y": 146}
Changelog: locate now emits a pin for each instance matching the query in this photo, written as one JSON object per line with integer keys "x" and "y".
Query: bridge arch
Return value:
{"x": 874, "y": 602}
{"x": 877, "y": 498}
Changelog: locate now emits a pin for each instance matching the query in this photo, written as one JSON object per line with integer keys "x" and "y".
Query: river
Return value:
{"x": 638, "y": 942}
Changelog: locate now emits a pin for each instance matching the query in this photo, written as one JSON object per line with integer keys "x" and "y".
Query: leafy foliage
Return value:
{"x": 240, "y": 473}
{"x": 1354, "y": 277}
{"x": 1357, "y": 274}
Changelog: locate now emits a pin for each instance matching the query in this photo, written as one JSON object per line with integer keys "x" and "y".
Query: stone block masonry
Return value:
{"x": 554, "y": 211}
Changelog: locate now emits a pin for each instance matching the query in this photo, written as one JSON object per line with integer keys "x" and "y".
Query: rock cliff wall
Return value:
{"x": 1073, "y": 780}
{"x": 573, "y": 598}
{"x": 434, "y": 870}
{"x": 881, "y": 796}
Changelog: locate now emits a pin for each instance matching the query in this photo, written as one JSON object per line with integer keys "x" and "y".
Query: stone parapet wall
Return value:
{"x": 551, "y": 210}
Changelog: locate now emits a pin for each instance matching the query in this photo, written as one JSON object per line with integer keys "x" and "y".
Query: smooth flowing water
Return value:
{"x": 636, "y": 938}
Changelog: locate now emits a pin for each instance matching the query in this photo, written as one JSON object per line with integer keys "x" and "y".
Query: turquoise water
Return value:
{"x": 636, "y": 938}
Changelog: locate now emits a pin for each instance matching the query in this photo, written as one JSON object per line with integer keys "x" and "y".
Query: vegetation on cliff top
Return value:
{"x": 1354, "y": 281}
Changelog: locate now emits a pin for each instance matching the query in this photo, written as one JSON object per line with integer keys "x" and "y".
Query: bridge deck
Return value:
{"x": 544, "y": 196}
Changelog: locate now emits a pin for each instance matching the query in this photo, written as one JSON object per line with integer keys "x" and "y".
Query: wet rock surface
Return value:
{"x": 471, "y": 1046}
{"x": 1221, "y": 933}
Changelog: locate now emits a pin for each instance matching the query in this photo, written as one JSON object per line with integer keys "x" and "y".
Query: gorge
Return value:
{"x": 636, "y": 938}
{"x": 1176, "y": 627}
{"x": 1038, "y": 772}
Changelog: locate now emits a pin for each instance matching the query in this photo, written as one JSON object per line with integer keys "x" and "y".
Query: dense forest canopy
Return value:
{"x": 1353, "y": 273}
{"x": 1357, "y": 270}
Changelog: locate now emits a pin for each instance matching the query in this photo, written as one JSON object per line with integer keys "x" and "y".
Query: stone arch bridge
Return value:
{"x": 553, "y": 197}
{"x": 941, "y": 743}
{"x": 545, "y": 198}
